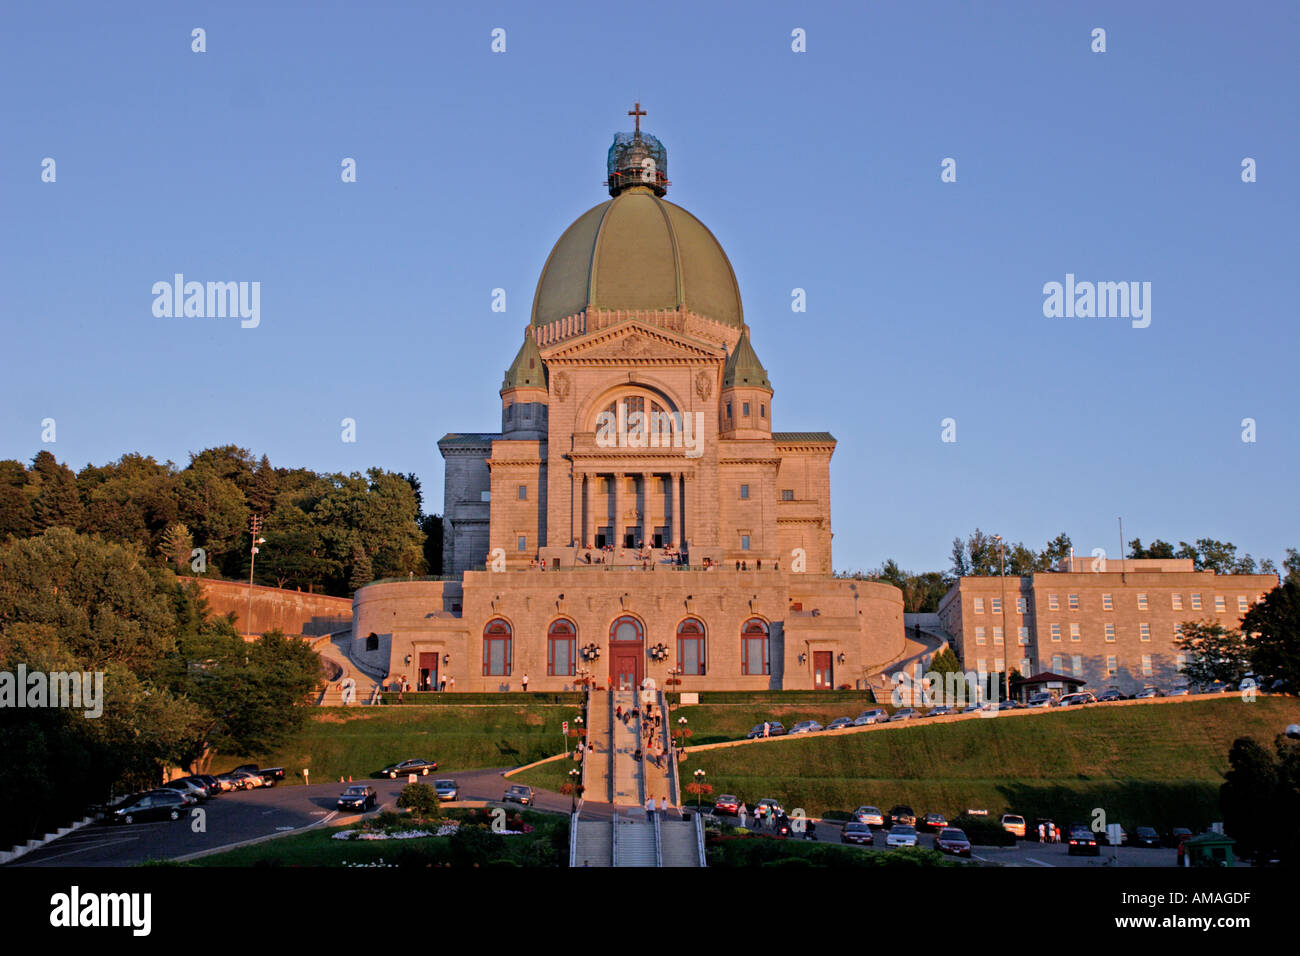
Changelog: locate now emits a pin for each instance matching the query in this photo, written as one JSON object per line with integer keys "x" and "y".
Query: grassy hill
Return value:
{"x": 359, "y": 740}
{"x": 1158, "y": 764}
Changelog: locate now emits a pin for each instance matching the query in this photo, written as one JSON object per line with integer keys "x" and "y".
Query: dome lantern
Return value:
{"x": 636, "y": 159}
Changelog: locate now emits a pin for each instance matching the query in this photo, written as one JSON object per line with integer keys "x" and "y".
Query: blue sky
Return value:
{"x": 818, "y": 170}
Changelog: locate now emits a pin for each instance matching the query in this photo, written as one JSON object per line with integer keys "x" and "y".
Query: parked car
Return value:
{"x": 1105, "y": 837}
{"x": 905, "y": 713}
{"x": 359, "y": 796}
{"x": 1082, "y": 841}
{"x": 269, "y": 775}
{"x": 1014, "y": 823}
{"x": 246, "y": 781}
{"x": 1218, "y": 687}
{"x": 805, "y": 727}
{"x": 1179, "y": 692}
{"x": 1039, "y": 700}
{"x": 1146, "y": 837}
{"x": 519, "y": 793}
{"x": 943, "y": 710}
{"x": 901, "y": 835}
{"x": 186, "y": 785}
{"x": 858, "y": 833}
{"x": 972, "y": 708}
{"x": 1010, "y": 705}
{"x": 1075, "y": 700}
{"x": 1146, "y": 693}
{"x": 839, "y": 723}
{"x": 774, "y": 729}
{"x": 422, "y": 767}
{"x": 446, "y": 789}
{"x": 1108, "y": 695}
{"x": 160, "y": 804}
{"x": 212, "y": 783}
{"x": 876, "y": 715}
{"x": 952, "y": 840}
{"x": 727, "y": 803}
{"x": 901, "y": 814}
{"x": 1177, "y": 835}
{"x": 934, "y": 822}
{"x": 869, "y": 815}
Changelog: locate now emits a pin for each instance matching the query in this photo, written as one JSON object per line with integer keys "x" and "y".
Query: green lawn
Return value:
{"x": 730, "y": 716}
{"x": 1158, "y": 765}
{"x": 551, "y": 776}
{"x": 360, "y": 740}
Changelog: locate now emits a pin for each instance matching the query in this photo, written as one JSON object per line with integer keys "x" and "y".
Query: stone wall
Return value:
{"x": 293, "y": 612}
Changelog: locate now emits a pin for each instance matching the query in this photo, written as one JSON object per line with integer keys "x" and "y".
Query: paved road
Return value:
{"x": 236, "y": 817}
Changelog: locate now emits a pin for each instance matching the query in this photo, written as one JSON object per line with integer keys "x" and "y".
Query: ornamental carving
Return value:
{"x": 562, "y": 386}
{"x": 703, "y": 385}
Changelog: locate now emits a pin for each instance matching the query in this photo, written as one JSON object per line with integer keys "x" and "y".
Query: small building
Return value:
{"x": 1209, "y": 849}
{"x": 1058, "y": 685}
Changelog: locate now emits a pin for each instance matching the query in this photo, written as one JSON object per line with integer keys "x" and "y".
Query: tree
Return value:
{"x": 362, "y": 572}
{"x": 1258, "y": 791}
{"x": 1158, "y": 549}
{"x": 1292, "y": 565}
{"x": 177, "y": 546}
{"x": 16, "y": 519}
{"x": 52, "y": 488}
{"x": 1214, "y": 653}
{"x": 422, "y": 799}
{"x": 1272, "y": 629}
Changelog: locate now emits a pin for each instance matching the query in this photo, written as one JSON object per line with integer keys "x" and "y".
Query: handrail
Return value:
{"x": 699, "y": 839}
{"x": 573, "y": 839}
{"x": 674, "y": 779}
{"x": 613, "y": 840}
{"x": 659, "y": 844}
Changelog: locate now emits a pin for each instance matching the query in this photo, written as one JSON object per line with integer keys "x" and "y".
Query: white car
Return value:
{"x": 869, "y": 815}
{"x": 901, "y": 835}
{"x": 805, "y": 727}
{"x": 876, "y": 715}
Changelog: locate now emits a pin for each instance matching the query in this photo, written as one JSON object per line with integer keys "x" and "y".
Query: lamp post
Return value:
{"x": 699, "y": 787}
{"x": 681, "y": 724}
{"x": 256, "y": 525}
{"x": 574, "y": 777}
{"x": 1006, "y": 638}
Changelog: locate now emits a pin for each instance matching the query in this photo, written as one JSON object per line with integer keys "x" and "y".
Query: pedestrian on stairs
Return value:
{"x": 663, "y": 808}
{"x": 650, "y": 809}
{"x": 618, "y": 712}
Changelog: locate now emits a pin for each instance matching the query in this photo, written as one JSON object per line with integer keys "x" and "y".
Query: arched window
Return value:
{"x": 754, "y": 647}
{"x": 498, "y": 649}
{"x": 561, "y": 648}
{"x": 372, "y": 641}
{"x": 690, "y": 647}
{"x": 626, "y": 628}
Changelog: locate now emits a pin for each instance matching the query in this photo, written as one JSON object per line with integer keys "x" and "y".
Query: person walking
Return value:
{"x": 650, "y": 809}
{"x": 1041, "y": 832}
{"x": 663, "y": 808}
{"x": 618, "y": 712}
{"x": 524, "y": 680}
{"x": 767, "y": 728}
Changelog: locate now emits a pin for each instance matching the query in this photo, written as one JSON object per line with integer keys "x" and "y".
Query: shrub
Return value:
{"x": 422, "y": 799}
{"x": 984, "y": 831}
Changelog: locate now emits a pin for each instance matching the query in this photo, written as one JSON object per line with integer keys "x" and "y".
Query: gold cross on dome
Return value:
{"x": 637, "y": 113}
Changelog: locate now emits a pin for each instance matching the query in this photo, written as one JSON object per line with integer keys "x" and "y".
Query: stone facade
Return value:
{"x": 1113, "y": 627}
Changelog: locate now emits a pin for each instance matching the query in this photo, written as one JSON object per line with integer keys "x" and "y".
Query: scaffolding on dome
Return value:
{"x": 637, "y": 159}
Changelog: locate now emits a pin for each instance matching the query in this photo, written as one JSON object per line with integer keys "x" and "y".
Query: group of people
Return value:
{"x": 650, "y": 746}
{"x": 662, "y": 806}
{"x": 1049, "y": 833}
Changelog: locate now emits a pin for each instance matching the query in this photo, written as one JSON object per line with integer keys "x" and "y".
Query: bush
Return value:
{"x": 422, "y": 799}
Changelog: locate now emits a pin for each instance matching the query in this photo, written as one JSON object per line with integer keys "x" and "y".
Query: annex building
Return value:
{"x": 636, "y": 514}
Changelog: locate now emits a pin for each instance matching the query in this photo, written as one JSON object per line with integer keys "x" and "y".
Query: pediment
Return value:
{"x": 634, "y": 342}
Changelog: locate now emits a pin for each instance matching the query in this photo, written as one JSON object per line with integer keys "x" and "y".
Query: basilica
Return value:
{"x": 636, "y": 515}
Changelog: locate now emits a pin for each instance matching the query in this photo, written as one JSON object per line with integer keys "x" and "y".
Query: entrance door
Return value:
{"x": 428, "y": 672}
{"x": 823, "y": 675}
{"x": 627, "y": 668}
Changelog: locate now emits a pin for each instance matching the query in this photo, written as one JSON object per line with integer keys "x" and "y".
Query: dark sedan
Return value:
{"x": 422, "y": 767}
{"x": 952, "y": 840}
{"x": 774, "y": 729}
{"x": 1082, "y": 840}
{"x": 903, "y": 815}
{"x": 446, "y": 789}
{"x": 519, "y": 793}
{"x": 859, "y": 833}
{"x": 1146, "y": 836}
{"x": 358, "y": 797}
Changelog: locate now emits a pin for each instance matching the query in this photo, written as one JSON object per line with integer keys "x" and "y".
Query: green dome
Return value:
{"x": 638, "y": 252}
{"x": 526, "y": 371}
{"x": 743, "y": 367}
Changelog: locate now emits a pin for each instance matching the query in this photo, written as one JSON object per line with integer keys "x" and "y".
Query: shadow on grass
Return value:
{"x": 1133, "y": 803}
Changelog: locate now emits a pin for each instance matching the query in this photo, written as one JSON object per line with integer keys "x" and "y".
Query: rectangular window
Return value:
{"x": 744, "y": 492}
{"x": 997, "y": 635}
{"x": 1026, "y": 667}
{"x": 1074, "y": 602}
{"x": 561, "y": 656}
{"x": 1053, "y": 603}
{"x": 999, "y": 664}
{"x": 979, "y": 635}
{"x": 1242, "y": 604}
{"x": 523, "y": 492}
{"x": 1110, "y": 632}
{"x": 1196, "y": 602}
{"x": 787, "y": 494}
{"x": 1022, "y": 605}
{"x": 1142, "y": 602}
{"x": 1023, "y": 635}
{"x": 1144, "y": 631}
{"x": 1106, "y": 603}
{"x": 1056, "y": 632}
{"x": 753, "y": 652}
{"x": 1056, "y": 663}
{"x": 762, "y": 410}
{"x": 1177, "y": 600}
{"x": 523, "y": 543}
{"x": 485, "y": 496}
{"x": 982, "y": 665}
{"x": 744, "y": 409}
{"x": 979, "y": 605}
{"x": 1112, "y": 665}
{"x": 1146, "y": 665}
{"x": 1074, "y": 631}
{"x": 744, "y": 542}
{"x": 1220, "y": 605}
{"x": 997, "y": 605}
{"x": 1077, "y": 660}
{"x": 728, "y": 409}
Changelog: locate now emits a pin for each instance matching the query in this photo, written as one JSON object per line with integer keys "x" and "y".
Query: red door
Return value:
{"x": 627, "y": 668}
{"x": 823, "y": 675}
{"x": 428, "y": 672}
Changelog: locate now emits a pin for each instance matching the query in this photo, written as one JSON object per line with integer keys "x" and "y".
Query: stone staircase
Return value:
{"x": 634, "y": 840}
{"x": 627, "y": 785}
{"x": 680, "y": 843}
{"x": 595, "y": 843}
{"x": 341, "y": 666}
{"x": 597, "y": 761}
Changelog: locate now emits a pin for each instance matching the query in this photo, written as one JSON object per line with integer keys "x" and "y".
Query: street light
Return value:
{"x": 699, "y": 788}
{"x": 256, "y": 525}
{"x": 681, "y": 723}
{"x": 574, "y": 777}
{"x": 1006, "y": 638}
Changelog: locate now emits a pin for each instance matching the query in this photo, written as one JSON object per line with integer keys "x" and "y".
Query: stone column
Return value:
{"x": 670, "y": 509}
{"x": 588, "y": 491}
{"x": 687, "y": 530}
{"x": 647, "y": 531}
{"x": 618, "y": 510}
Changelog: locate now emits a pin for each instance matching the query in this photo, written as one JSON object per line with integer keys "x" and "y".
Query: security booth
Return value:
{"x": 1209, "y": 849}
{"x": 1058, "y": 685}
